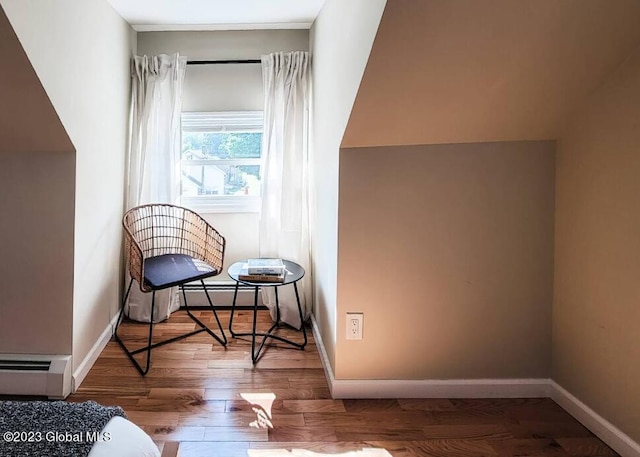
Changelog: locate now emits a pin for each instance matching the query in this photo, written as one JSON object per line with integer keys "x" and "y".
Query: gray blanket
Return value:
{"x": 52, "y": 429}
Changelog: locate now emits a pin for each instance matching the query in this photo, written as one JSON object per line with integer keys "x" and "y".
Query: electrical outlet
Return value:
{"x": 354, "y": 326}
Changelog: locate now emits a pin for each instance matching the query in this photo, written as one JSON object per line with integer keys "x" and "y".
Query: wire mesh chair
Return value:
{"x": 167, "y": 246}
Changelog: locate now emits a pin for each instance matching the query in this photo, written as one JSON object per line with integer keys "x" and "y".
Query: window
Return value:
{"x": 221, "y": 161}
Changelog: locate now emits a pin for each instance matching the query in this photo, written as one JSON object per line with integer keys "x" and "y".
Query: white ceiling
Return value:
{"x": 159, "y": 15}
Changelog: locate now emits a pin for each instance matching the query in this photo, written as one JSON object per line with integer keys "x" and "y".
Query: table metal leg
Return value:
{"x": 304, "y": 330}
{"x": 233, "y": 310}
{"x": 255, "y": 353}
{"x": 275, "y": 291}
{"x": 254, "y": 356}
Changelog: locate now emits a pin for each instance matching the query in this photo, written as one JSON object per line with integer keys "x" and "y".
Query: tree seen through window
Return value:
{"x": 238, "y": 179}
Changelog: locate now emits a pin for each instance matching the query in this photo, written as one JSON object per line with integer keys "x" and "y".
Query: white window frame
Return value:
{"x": 227, "y": 121}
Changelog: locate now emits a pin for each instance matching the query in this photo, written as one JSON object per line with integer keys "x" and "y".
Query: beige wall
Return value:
{"x": 450, "y": 246}
{"x": 462, "y": 71}
{"x": 36, "y": 273}
{"x": 596, "y": 316}
{"x": 341, "y": 39}
{"x": 225, "y": 88}
{"x": 37, "y": 166}
{"x": 80, "y": 50}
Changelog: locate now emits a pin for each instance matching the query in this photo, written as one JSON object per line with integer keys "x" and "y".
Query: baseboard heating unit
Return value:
{"x": 37, "y": 375}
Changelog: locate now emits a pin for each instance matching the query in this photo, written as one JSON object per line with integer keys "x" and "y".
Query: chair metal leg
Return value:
{"x": 150, "y": 345}
{"x": 130, "y": 354}
{"x": 124, "y": 301}
{"x": 223, "y": 339}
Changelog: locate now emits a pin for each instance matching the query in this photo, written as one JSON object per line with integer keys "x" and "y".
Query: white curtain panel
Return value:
{"x": 154, "y": 156}
{"x": 284, "y": 218}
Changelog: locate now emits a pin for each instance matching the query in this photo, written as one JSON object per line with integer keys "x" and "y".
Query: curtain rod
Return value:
{"x": 217, "y": 62}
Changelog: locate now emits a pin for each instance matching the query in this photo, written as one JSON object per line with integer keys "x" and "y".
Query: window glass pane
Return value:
{"x": 225, "y": 145}
{"x": 220, "y": 154}
{"x": 220, "y": 179}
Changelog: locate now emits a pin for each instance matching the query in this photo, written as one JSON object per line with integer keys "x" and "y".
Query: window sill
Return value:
{"x": 223, "y": 204}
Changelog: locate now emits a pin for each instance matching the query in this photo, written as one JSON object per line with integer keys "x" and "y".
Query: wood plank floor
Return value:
{"x": 217, "y": 403}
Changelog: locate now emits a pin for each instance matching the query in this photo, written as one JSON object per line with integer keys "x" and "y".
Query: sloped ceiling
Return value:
{"x": 28, "y": 121}
{"x": 454, "y": 71}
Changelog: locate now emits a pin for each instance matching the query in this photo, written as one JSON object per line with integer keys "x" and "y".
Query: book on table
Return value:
{"x": 244, "y": 275}
{"x": 265, "y": 266}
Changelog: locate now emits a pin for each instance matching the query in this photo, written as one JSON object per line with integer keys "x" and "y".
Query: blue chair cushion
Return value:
{"x": 170, "y": 270}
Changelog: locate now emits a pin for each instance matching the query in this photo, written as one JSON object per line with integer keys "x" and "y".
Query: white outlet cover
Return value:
{"x": 354, "y": 326}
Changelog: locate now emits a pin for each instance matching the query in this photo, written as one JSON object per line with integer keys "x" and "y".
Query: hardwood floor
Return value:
{"x": 217, "y": 403}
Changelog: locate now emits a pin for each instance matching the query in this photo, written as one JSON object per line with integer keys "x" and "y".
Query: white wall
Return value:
{"x": 81, "y": 51}
{"x": 341, "y": 39}
{"x": 235, "y": 87}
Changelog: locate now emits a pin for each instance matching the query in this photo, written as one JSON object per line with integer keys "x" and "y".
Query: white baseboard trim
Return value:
{"x": 428, "y": 388}
{"x": 223, "y": 297}
{"x": 83, "y": 369}
{"x": 324, "y": 358}
{"x": 437, "y": 388}
{"x": 602, "y": 428}
{"x": 478, "y": 388}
